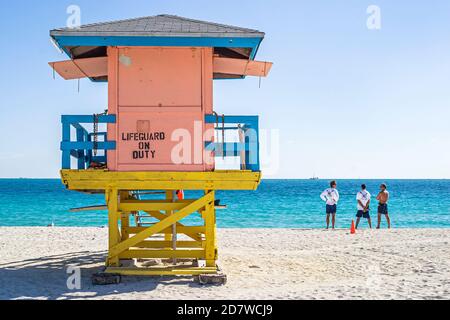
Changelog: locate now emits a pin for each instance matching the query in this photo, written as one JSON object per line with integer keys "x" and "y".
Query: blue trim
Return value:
{"x": 76, "y": 120}
{"x": 233, "y": 147}
{"x": 233, "y": 42}
{"x": 255, "y": 50}
{"x": 87, "y": 145}
{"x": 212, "y": 119}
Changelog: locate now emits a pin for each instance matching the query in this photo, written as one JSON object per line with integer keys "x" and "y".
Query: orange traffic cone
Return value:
{"x": 180, "y": 194}
{"x": 353, "y": 228}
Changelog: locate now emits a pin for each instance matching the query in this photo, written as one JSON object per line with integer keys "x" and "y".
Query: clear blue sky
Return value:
{"x": 349, "y": 102}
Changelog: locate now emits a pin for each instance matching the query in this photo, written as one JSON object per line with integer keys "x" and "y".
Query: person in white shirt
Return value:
{"x": 331, "y": 197}
{"x": 363, "y": 199}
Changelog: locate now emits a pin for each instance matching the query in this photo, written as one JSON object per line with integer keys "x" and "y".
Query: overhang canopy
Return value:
{"x": 98, "y": 68}
{"x": 91, "y": 41}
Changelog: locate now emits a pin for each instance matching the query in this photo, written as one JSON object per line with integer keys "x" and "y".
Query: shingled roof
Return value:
{"x": 159, "y": 26}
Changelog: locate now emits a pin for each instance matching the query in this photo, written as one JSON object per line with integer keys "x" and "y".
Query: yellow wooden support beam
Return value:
{"x": 180, "y": 229}
{"x": 169, "y": 198}
{"x": 85, "y": 185}
{"x": 105, "y": 175}
{"x": 125, "y": 216}
{"x": 168, "y": 244}
{"x": 152, "y": 205}
{"x": 162, "y": 225}
{"x": 210, "y": 232}
{"x": 162, "y": 254}
{"x": 112, "y": 199}
{"x": 172, "y": 271}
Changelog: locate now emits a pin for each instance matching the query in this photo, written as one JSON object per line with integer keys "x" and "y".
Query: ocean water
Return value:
{"x": 277, "y": 204}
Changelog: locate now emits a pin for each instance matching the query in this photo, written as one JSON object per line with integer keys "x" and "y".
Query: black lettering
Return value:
{"x": 144, "y": 154}
{"x": 144, "y": 145}
{"x": 134, "y": 136}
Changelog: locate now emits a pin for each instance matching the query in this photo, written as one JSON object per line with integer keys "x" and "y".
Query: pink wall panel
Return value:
{"x": 160, "y": 97}
{"x": 160, "y": 77}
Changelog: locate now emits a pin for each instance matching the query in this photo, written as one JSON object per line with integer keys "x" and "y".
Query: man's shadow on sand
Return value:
{"x": 46, "y": 278}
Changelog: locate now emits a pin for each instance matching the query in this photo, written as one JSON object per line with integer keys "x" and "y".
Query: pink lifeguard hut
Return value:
{"x": 162, "y": 136}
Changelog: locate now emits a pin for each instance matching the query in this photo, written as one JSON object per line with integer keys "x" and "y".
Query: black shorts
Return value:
{"x": 383, "y": 209}
{"x": 331, "y": 209}
{"x": 362, "y": 214}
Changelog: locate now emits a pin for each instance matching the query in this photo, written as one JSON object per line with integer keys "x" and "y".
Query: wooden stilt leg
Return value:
{"x": 124, "y": 217}
{"x": 210, "y": 232}
{"x": 112, "y": 199}
{"x": 169, "y": 197}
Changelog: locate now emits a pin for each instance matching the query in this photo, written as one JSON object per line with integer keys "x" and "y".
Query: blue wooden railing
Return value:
{"x": 250, "y": 127}
{"x": 82, "y": 148}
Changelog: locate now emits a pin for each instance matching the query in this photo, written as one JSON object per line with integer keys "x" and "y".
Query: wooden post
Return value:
{"x": 125, "y": 217}
{"x": 66, "y": 138}
{"x": 112, "y": 199}
{"x": 210, "y": 232}
{"x": 81, "y": 153}
{"x": 169, "y": 197}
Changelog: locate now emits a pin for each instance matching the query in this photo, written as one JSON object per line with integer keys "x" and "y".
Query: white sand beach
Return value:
{"x": 260, "y": 264}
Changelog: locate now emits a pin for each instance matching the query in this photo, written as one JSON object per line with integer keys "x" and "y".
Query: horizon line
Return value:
{"x": 320, "y": 179}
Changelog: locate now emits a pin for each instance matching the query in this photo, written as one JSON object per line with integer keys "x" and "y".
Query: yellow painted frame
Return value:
{"x": 97, "y": 180}
{"x": 128, "y": 242}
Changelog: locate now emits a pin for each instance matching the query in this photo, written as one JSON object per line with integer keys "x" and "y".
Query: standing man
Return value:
{"x": 363, "y": 198}
{"x": 383, "y": 199}
{"x": 331, "y": 197}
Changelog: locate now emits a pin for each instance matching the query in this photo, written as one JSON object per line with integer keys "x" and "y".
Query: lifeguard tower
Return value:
{"x": 162, "y": 136}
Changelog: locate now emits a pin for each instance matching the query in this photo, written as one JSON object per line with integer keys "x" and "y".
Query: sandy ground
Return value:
{"x": 260, "y": 264}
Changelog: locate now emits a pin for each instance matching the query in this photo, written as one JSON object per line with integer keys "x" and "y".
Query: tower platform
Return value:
{"x": 94, "y": 181}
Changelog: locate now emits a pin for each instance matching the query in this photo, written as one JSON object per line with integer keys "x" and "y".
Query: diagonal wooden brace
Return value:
{"x": 164, "y": 224}
{"x": 160, "y": 216}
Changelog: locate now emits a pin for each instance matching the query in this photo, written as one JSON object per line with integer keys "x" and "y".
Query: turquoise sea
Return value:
{"x": 277, "y": 204}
